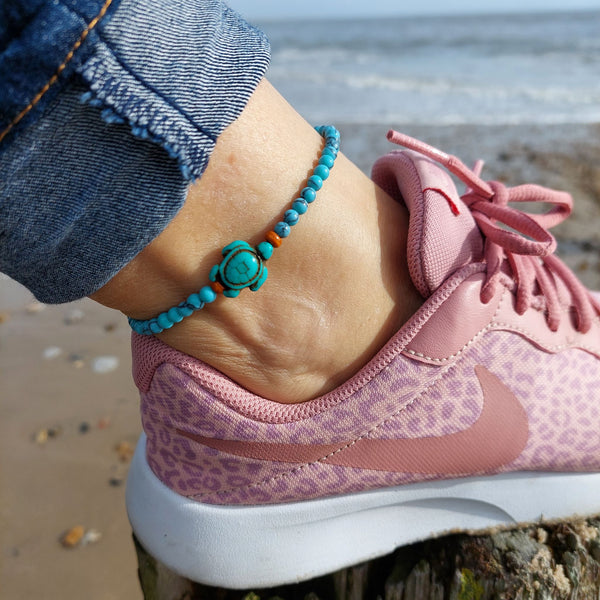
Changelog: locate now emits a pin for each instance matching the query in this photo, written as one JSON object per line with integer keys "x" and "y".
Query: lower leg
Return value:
{"x": 338, "y": 288}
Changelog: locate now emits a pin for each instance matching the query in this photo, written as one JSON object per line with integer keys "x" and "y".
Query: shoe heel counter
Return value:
{"x": 173, "y": 414}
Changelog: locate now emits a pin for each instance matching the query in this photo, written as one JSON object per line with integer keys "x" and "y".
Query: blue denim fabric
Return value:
{"x": 86, "y": 185}
{"x": 35, "y": 38}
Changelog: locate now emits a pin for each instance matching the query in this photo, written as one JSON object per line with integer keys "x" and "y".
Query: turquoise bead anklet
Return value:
{"x": 244, "y": 266}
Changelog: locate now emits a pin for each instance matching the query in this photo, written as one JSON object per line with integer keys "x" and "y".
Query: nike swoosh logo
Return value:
{"x": 497, "y": 438}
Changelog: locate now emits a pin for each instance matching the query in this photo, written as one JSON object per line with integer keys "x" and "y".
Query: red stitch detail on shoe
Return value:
{"x": 453, "y": 206}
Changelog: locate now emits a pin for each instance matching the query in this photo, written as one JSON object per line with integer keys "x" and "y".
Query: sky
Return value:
{"x": 260, "y": 10}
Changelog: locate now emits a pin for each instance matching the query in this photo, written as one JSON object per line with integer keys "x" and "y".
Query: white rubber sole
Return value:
{"x": 262, "y": 546}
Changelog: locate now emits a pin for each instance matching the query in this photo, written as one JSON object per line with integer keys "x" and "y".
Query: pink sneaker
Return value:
{"x": 481, "y": 411}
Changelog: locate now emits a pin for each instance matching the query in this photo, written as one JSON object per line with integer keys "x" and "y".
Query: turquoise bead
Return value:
{"x": 174, "y": 315}
{"x": 291, "y": 217}
{"x": 207, "y": 294}
{"x": 315, "y": 182}
{"x": 185, "y": 311}
{"x": 309, "y": 194}
{"x": 194, "y": 300}
{"x": 242, "y": 265}
{"x": 265, "y": 250}
{"x": 282, "y": 229}
{"x": 137, "y": 326}
{"x": 330, "y": 131}
{"x": 155, "y": 327}
{"x": 213, "y": 273}
{"x": 300, "y": 206}
{"x": 321, "y": 171}
{"x": 327, "y": 160}
{"x": 163, "y": 321}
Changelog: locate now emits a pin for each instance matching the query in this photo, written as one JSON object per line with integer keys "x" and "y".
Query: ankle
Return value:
{"x": 337, "y": 289}
{"x": 324, "y": 311}
{"x": 310, "y": 327}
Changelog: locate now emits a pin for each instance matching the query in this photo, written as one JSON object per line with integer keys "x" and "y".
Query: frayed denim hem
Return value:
{"x": 87, "y": 185}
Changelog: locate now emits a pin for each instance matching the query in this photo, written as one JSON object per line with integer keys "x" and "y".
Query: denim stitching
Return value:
{"x": 60, "y": 69}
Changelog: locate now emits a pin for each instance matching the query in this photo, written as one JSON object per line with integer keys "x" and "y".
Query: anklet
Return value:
{"x": 243, "y": 266}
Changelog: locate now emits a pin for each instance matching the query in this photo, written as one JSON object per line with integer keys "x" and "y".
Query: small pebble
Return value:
{"x": 71, "y": 538}
{"x": 91, "y": 536}
{"x": 41, "y": 437}
{"x": 124, "y": 451}
{"x": 54, "y": 432}
{"x": 110, "y": 327}
{"x": 51, "y": 352}
{"x": 583, "y": 266}
{"x": 74, "y": 316}
{"x": 34, "y": 307}
{"x": 77, "y": 360}
{"x": 104, "y": 422}
{"x": 4, "y": 316}
{"x": 104, "y": 364}
{"x": 84, "y": 427}
{"x": 116, "y": 481}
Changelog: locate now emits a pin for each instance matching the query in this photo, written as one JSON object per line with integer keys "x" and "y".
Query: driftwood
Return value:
{"x": 559, "y": 561}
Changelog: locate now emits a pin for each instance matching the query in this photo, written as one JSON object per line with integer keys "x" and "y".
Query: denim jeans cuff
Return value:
{"x": 89, "y": 184}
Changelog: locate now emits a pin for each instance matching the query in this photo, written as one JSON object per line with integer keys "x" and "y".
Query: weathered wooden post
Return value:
{"x": 557, "y": 561}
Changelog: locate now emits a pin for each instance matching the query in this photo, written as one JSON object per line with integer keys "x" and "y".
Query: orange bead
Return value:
{"x": 273, "y": 239}
{"x": 217, "y": 288}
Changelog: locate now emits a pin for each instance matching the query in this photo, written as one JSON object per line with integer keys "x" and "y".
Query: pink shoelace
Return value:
{"x": 528, "y": 246}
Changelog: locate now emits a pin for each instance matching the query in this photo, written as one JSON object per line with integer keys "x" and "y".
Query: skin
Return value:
{"x": 337, "y": 290}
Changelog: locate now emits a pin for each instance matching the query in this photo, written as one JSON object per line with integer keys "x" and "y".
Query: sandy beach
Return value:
{"x": 68, "y": 414}
{"x": 69, "y": 410}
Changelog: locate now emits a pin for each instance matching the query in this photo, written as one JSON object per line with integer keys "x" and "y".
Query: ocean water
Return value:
{"x": 483, "y": 70}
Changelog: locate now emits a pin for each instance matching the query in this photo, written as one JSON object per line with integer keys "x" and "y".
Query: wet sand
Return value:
{"x": 61, "y": 420}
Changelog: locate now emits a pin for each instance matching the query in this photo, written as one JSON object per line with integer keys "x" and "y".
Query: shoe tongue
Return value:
{"x": 442, "y": 234}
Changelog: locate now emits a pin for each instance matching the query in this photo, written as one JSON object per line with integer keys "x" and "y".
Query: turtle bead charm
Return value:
{"x": 241, "y": 267}
{"x": 244, "y": 266}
